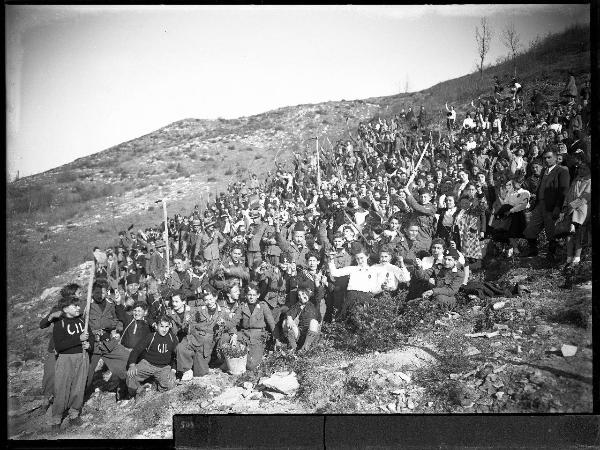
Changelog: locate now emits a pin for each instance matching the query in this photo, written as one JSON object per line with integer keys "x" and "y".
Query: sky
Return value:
{"x": 81, "y": 79}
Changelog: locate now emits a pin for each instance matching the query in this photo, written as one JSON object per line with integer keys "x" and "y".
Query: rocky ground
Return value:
{"x": 528, "y": 354}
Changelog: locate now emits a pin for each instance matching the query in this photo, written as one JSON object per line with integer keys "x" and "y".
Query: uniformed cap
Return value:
{"x": 196, "y": 222}
{"x": 254, "y": 214}
{"x": 451, "y": 252}
{"x": 209, "y": 223}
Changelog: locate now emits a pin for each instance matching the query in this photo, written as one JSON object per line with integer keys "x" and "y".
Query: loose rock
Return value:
{"x": 283, "y": 382}
{"x": 229, "y": 397}
{"x": 568, "y": 350}
{"x": 471, "y": 351}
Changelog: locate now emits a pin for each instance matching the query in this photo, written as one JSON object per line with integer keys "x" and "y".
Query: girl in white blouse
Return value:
{"x": 514, "y": 204}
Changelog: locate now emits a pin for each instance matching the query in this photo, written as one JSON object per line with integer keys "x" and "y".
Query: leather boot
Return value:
{"x": 311, "y": 336}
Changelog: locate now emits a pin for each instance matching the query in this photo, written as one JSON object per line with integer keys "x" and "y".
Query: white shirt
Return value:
{"x": 556, "y": 127}
{"x": 427, "y": 262}
{"x": 362, "y": 279}
{"x": 519, "y": 199}
{"x": 394, "y": 274}
{"x": 468, "y": 123}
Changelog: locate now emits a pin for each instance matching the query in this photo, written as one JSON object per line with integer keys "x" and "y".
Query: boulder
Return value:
{"x": 568, "y": 350}
{"x": 229, "y": 397}
{"x": 283, "y": 382}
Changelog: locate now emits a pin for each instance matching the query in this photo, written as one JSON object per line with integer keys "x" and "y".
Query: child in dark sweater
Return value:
{"x": 153, "y": 357}
{"x": 135, "y": 327}
{"x": 71, "y": 342}
{"x": 55, "y": 313}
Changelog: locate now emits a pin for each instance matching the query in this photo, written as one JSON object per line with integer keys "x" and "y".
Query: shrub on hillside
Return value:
{"x": 90, "y": 191}
{"x": 379, "y": 324}
{"x": 66, "y": 176}
{"x": 183, "y": 171}
{"x": 29, "y": 199}
{"x": 229, "y": 172}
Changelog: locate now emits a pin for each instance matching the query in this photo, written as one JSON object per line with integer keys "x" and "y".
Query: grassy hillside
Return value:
{"x": 55, "y": 218}
{"x": 545, "y": 64}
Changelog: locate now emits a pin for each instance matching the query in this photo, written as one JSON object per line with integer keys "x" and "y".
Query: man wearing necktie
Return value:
{"x": 551, "y": 194}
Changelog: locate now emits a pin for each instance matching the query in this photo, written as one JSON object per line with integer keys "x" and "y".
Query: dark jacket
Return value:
{"x": 447, "y": 281}
{"x": 556, "y": 186}
{"x": 308, "y": 313}
{"x": 105, "y": 320}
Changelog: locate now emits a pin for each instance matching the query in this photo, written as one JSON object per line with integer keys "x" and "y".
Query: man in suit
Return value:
{"x": 551, "y": 194}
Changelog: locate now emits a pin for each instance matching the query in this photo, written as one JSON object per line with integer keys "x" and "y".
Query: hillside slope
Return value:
{"x": 55, "y": 218}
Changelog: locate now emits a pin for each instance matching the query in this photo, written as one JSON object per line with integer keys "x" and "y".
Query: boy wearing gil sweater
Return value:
{"x": 153, "y": 357}
{"x": 71, "y": 369}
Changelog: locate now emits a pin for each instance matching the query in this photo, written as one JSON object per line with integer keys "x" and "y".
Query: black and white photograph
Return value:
{"x": 295, "y": 210}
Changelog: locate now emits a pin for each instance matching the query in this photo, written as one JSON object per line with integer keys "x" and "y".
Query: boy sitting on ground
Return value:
{"x": 301, "y": 326}
{"x": 153, "y": 357}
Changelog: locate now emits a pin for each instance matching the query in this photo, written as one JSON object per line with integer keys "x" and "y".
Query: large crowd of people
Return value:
{"x": 404, "y": 205}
